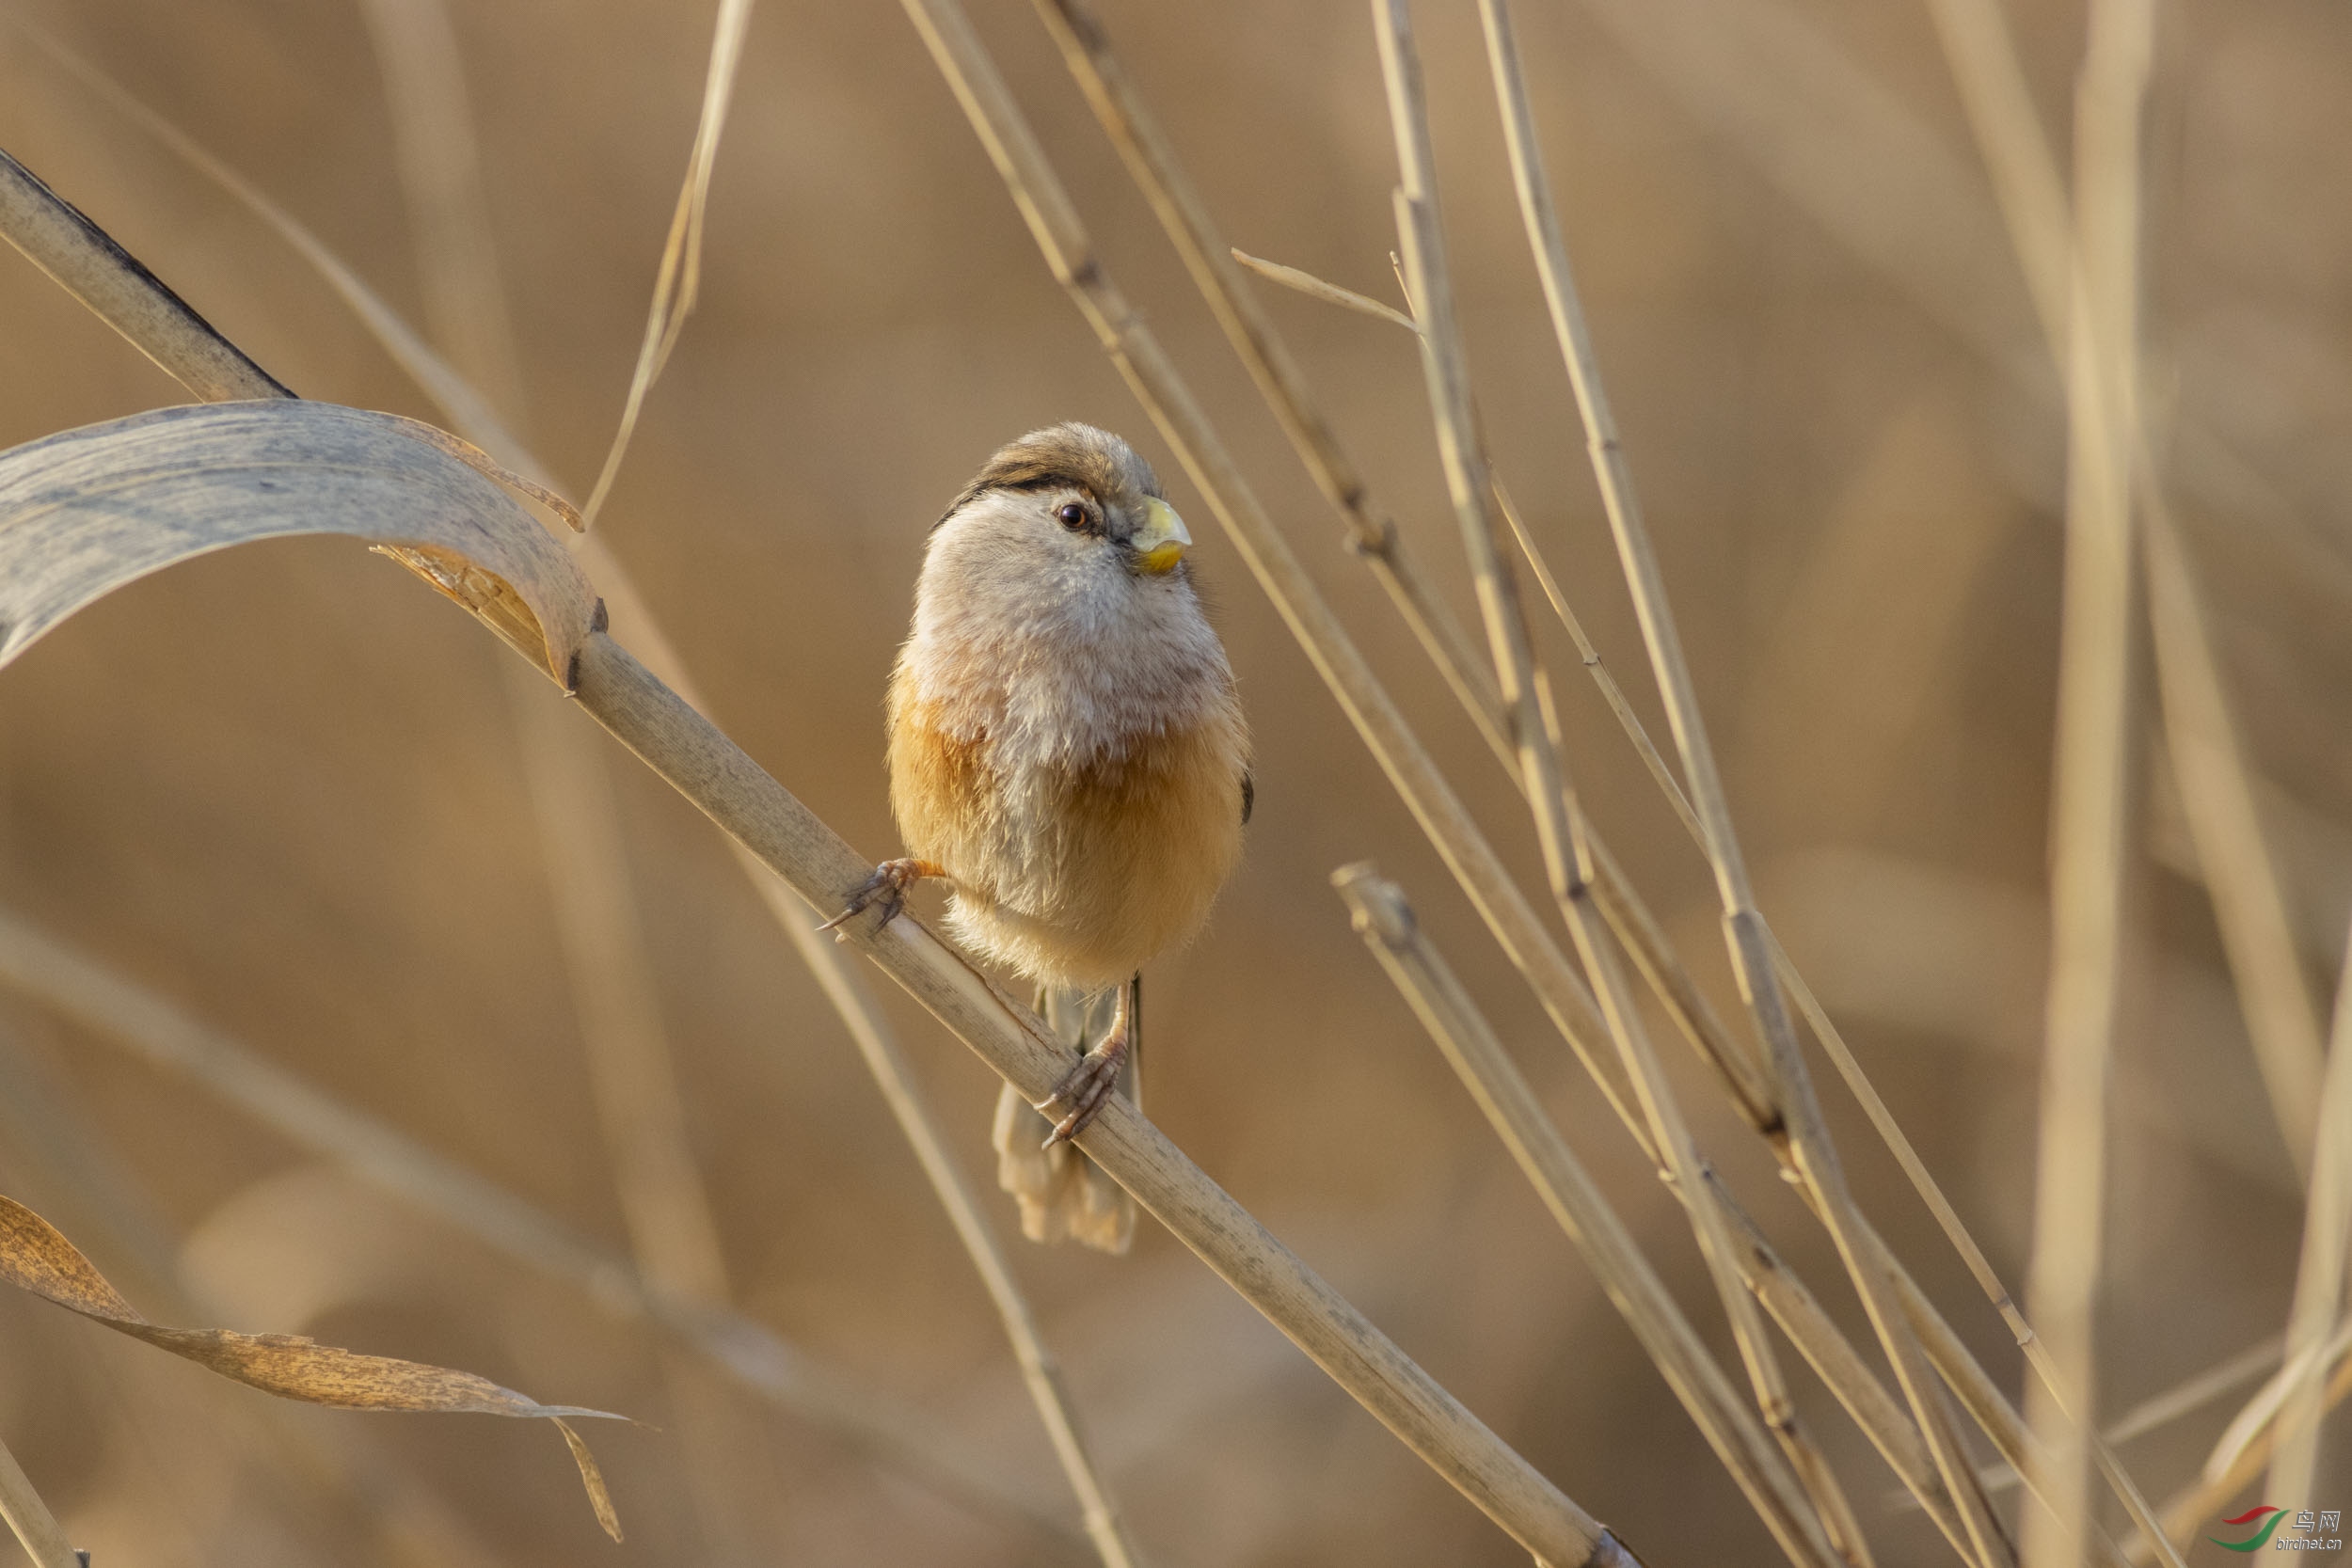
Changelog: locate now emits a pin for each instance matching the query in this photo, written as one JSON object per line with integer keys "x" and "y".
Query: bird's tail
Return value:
{"x": 1062, "y": 1194}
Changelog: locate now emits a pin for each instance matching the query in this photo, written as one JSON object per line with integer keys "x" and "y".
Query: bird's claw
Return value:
{"x": 887, "y": 887}
{"x": 1085, "y": 1089}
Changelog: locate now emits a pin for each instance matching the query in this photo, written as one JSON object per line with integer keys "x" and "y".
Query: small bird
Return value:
{"x": 1068, "y": 753}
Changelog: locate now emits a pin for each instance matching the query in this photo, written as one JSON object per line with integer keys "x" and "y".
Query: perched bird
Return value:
{"x": 1068, "y": 753}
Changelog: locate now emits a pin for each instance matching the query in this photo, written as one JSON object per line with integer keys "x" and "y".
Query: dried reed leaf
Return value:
{"x": 680, "y": 278}
{"x": 591, "y": 1478}
{"x": 85, "y": 510}
{"x": 35, "y": 1258}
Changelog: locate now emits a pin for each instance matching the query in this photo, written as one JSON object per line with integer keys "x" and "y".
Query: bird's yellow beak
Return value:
{"x": 1161, "y": 542}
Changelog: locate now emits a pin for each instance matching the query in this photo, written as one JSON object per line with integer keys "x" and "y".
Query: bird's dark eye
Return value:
{"x": 1073, "y": 515}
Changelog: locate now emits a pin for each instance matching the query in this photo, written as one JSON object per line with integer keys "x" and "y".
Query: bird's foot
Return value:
{"x": 887, "y": 887}
{"x": 1085, "y": 1089}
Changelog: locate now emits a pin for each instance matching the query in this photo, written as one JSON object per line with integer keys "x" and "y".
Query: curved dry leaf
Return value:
{"x": 85, "y": 510}
{"x": 679, "y": 279}
{"x": 35, "y": 1257}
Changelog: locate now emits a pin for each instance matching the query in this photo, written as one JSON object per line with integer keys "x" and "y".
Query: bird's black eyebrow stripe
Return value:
{"x": 1045, "y": 479}
{"x": 1097, "y": 466}
{"x": 1020, "y": 477}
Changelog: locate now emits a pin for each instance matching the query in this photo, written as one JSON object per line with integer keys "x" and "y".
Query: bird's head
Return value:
{"x": 1072, "y": 502}
{"x": 1056, "y": 595}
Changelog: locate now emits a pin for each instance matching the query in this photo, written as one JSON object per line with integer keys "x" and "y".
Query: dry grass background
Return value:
{"x": 284, "y": 788}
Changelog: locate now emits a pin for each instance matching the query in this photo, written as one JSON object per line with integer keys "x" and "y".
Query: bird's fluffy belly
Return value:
{"x": 1073, "y": 873}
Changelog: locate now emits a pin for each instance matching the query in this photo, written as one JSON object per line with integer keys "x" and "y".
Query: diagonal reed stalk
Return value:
{"x": 1750, "y": 942}
{"x": 690, "y": 753}
{"x": 1673, "y": 986}
{"x": 1569, "y": 859}
{"x": 2234, "y": 858}
{"x": 1152, "y": 162}
{"x": 1386, "y": 921}
{"x": 437, "y": 156}
{"x": 470, "y": 411}
{"x": 36, "y": 1528}
{"x": 1681, "y": 998}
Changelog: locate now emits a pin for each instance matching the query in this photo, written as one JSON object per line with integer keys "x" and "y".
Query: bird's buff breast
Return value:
{"x": 1072, "y": 870}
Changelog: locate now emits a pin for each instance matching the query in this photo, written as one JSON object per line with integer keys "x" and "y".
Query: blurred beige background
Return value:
{"x": 281, "y": 786}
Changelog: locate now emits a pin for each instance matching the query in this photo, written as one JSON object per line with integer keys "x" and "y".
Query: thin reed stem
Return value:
{"x": 2193, "y": 1393}
{"x": 2090, "y": 810}
{"x": 1745, "y": 931}
{"x": 2258, "y": 1418}
{"x": 1383, "y": 917}
{"x": 846, "y": 988}
{"x": 36, "y": 1528}
{"x": 2186, "y": 1398}
{"x": 678, "y": 279}
{"x": 1567, "y": 855}
{"x": 437, "y": 154}
{"x": 2233, "y": 854}
{"x": 2318, "y": 1304}
{"x": 2205, "y": 1498}
{"x": 1292, "y": 277}
{"x": 1611, "y": 691}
